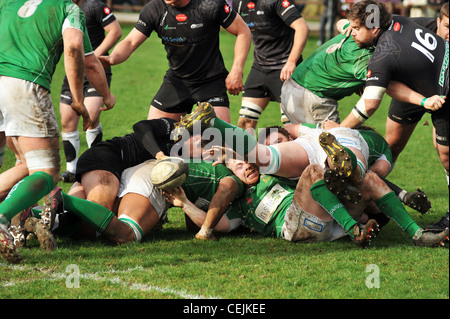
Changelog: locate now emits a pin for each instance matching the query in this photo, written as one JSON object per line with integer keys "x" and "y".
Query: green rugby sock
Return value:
{"x": 241, "y": 141}
{"x": 96, "y": 215}
{"x": 352, "y": 156}
{"x": 392, "y": 207}
{"x": 25, "y": 193}
{"x": 333, "y": 206}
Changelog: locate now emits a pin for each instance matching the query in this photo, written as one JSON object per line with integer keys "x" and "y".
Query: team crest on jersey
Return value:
{"x": 181, "y": 17}
{"x": 285, "y": 3}
{"x": 227, "y": 8}
{"x": 106, "y": 10}
{"x": 397, "y": 26}
{"x": 251, "y": 5}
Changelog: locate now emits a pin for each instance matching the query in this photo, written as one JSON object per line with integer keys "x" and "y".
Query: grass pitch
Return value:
{"x": 171, "y": 264}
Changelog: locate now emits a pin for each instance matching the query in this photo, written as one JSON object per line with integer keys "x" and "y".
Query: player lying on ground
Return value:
{"x": 306, "y": 211}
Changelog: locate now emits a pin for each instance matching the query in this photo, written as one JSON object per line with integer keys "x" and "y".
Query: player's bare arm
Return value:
{"x": 301, "y": 36}
{"x": 74, "y": 67}
{"x": 234, "y": 81}
{"x": 96, "y": 76}
{"x": 124, "y": 48}
{"x": 225, "y": 194}
{"x": 404, "y": 93}
{"x": 113, "y": 34}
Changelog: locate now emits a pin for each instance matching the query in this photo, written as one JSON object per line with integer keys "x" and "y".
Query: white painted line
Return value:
{"x": 97, "y": 277}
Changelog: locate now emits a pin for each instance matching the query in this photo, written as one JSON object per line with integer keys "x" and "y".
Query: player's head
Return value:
{"x": 273, "y": 135}
{"x": 246, "y": 172}
{"x": 367, "y": 18}
{"x": 442, "y": 22}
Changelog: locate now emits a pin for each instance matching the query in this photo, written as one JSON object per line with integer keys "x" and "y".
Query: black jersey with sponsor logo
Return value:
{"x": 411, "y": 54}
{"x": 98, "y": 16}
{"x": 269, "y": 22}
{"x": 190, "y": 35}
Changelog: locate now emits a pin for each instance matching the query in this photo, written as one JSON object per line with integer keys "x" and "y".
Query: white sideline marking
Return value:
{"x": 96, "y": 277}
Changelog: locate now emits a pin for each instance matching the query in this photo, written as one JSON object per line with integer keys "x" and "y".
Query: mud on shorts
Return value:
{"x": 136, "y": 179}
{"x": 26, "y": 109}
{"x": 88, "y": 90}
{"x": 303, "y": 106}
{"x": 263, "y": 84}
{"x": 405, "y": 113}
{"x": 177, "y": 95}
{"x": 300, "y": 226}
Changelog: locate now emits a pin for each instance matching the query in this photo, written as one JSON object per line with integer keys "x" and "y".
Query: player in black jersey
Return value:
{"x": 279, "y": 35}
{"x": 405, "y": 52}
{"x": 100, "y": 167}
{"x": 405, "y": 116}
{"x": 99, "y": 19}
{"x": 189, "y": 30}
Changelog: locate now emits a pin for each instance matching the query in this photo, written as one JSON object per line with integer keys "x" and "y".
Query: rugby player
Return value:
{"x": 99, "y": 19}
{"x": 45, "y": 30}
{"x": 279, "y": 35}
{"x": 189, "y": 30}
{"x": 412, "y": 54}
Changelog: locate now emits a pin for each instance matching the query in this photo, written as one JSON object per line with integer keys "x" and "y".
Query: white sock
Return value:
{"x": 92, "y": 134}
{"x": 74, "y": 139}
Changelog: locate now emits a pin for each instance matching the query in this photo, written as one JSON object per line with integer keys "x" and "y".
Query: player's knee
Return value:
{"x": 250, "y": 112}
{"x": 313, "y": 172}
{"x": 134, "y": 231}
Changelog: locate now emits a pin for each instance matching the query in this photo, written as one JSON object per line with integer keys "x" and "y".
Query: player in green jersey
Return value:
{"x": 140, "y": 207}
{"x": 305, "y": 211}
{"x": 333, "y": 71}
{"x": 34, "y": 34}
{"x": 291, "y": 159}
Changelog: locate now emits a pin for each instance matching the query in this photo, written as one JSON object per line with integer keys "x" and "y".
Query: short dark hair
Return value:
{"x": 359, "y": 12}
{"x": 444, "y": 11}
{"x": 262, "y": 135}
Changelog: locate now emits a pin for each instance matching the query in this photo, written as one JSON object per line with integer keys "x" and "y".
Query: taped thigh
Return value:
{"x": 42, "y": 159}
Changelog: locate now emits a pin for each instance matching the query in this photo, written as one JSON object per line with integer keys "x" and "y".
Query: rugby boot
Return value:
{"x": 431, "y": 239}
{"x": 439, "y": 226}
{"x": 44, "y": 236}
{"x": 418, "y": 201}
{"x": 67, "y": 177}
{"x": 8, "y": 249}
{"x": 338, "y": 185}
{"x": 17, "y": 229}
{"x": 53, "y": 204}
{"x": 363, "y": 234}
{"x": 203, "y": 113}
{"x": 341, "y": 160}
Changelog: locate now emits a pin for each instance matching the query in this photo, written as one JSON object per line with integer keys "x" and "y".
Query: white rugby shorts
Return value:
{"x": 136, "y": 179}
{"x": 26, "y": 109}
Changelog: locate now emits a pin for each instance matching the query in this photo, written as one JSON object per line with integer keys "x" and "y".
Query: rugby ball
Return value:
{"x": 169, "y": 173}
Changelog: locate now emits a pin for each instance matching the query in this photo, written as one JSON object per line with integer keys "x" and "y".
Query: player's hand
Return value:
{"x": 220, "y": 155}
{"x": 435, "y": 102}
{"x": 176, "y": 197}
{"x": 109, "y": 102}
{"x": 329, "y": 125}
{"x": 106, "y": 61}
{"x": 160, "y": 156}
{"x": 287, "y": 71}
{"x": 205, "y": 237}
{"x": 234, "y": 82}
{"x": 82, "y": 111}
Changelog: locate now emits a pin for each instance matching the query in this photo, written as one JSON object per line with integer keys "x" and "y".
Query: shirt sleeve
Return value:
{"x": 287, "y": 11}
{"x": 75, "y": 19}
{"x": 381, "y": 67}
{"x": 226, "y": 15}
